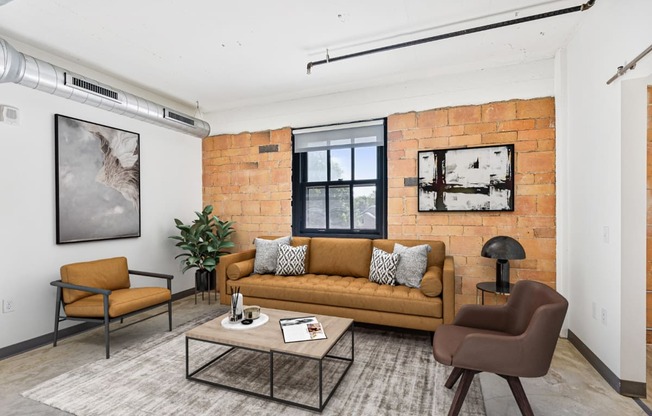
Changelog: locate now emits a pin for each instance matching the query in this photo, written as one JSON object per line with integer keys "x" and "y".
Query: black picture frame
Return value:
{"x": 97, "y": 174}
{"x": 466, "y": 179}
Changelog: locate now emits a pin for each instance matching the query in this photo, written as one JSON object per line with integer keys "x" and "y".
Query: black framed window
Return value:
{"x": 339, "y": 181}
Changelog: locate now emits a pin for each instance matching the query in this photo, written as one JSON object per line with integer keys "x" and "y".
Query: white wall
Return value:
{"x": 604, "y": 154}
{"x": 530, "y": 80}
{"x": 170, "y": 187}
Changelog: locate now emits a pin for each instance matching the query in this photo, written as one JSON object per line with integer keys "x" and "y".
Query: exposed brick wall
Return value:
{"x": 248, "y": 180}
{"x": 530, "y": 125}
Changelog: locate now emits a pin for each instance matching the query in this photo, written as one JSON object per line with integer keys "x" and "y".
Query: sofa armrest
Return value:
{"x": 448, "y": 290}
{"x": 225, "y": 262}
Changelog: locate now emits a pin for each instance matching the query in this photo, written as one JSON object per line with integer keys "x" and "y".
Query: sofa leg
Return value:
{"x": 57, "y": 313}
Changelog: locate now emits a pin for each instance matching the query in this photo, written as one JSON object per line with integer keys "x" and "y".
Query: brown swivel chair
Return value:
{"x": 514, "y": 340}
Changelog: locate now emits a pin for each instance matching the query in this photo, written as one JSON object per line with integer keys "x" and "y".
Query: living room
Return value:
{"x": 580, "y": 143}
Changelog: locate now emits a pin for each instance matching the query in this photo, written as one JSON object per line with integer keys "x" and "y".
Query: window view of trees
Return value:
{"x": 338, "y": 185}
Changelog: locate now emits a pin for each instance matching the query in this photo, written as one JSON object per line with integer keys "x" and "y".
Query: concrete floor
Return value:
{"x": 572, "y": 387}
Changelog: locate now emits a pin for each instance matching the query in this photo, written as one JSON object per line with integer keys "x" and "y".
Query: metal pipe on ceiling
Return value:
{"x": 30, "y": 72}
{"x": 631, "y": 65}
{"x": 329, "y": 59}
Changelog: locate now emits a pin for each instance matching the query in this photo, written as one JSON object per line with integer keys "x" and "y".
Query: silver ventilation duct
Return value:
{"x": 25, "y": 70}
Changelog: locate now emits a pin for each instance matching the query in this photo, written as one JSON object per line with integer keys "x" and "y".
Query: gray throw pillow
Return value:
{"x": 412, "y": 263}
{"x": 267, "y": 254}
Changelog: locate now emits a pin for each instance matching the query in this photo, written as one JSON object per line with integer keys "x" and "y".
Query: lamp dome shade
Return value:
{"x": 503, "y": 247}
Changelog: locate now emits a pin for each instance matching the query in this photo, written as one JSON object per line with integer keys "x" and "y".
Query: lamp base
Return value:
{"x": 502, "y": 276}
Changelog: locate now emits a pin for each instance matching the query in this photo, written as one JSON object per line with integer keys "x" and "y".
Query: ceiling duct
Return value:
{"x": 25, "y": 70}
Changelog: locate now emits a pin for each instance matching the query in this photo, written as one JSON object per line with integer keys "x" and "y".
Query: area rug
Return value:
{"x": 393, "y": 373}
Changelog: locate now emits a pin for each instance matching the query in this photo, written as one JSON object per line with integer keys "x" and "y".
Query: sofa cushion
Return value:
{"x": 240, "y": 269}
{"x": 121, "y": 301}
{"x": 412, "y": 264}
{"x": 340, "y": 256}
{"x": 383, "y": 267}
{"x": 267, "y": 254}
{"x": 108, "y": 274}
{"x": 431, "y": 284}
{"x": 291, "y": 260}
{"x": 348, "y": 292}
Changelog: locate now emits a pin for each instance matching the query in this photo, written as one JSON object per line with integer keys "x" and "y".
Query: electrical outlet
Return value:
{"x": 603, "y": 316}
{"x": 594, "y": 311}
{"x": 8, "y": 306}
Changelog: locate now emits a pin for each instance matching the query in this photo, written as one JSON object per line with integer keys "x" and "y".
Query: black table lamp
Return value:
{"x": 503, "y": 249}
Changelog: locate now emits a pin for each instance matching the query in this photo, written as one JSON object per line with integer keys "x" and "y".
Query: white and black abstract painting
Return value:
{"x": 467, "y": 179}
{"x": 97, "y": 181}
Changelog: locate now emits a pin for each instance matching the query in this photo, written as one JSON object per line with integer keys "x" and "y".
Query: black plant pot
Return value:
{"x": 202, "y": 280}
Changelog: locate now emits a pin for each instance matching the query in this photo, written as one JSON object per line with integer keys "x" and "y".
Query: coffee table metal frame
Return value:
{"x": 271, "y": 353}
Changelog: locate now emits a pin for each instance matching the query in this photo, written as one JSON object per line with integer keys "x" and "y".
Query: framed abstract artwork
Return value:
{"x": 467, "y": 179}
{"x": 97, "y": 181}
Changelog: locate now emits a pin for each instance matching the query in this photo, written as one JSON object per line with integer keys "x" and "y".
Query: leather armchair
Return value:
{"x": 100, "y": 291}
{"x": 514, "y": 340}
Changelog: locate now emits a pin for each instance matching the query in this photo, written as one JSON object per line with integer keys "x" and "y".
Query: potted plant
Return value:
{"x": 203, "y": 242}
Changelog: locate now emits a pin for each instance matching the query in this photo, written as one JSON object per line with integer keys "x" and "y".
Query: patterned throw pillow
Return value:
{"x": 412, "y": 264}
{"x": 267, "y": 254}
{"x": 383, "y": 267}
{"x": 291, "y": 260}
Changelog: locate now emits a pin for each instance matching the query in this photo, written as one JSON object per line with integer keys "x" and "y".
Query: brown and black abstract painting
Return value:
{"x": 467, "y": 179}
{"x": 97, "y": 181}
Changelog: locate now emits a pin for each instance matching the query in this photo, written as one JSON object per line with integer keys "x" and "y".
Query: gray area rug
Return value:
{"x": 393, "y": 373}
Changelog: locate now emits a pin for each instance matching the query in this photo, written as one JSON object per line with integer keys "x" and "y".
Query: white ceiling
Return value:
{"x": 231, "y": 54}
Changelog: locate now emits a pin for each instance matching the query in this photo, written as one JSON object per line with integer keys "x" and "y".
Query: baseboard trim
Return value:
{"x": 624, "y": 387}
{"x": 42, "y": 340}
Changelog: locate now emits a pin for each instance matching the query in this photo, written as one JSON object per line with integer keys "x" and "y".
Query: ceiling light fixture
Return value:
{"x": 329, "y": 59}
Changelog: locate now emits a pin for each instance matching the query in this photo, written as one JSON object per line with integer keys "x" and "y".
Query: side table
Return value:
{"x": 488, "y": 287}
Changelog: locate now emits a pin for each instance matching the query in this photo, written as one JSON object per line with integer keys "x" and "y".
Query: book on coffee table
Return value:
{"x": 305, "y": 328}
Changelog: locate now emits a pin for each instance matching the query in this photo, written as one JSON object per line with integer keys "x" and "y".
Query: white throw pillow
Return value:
{"x": 412, "y": 264}
{"x": 267, "y": 254}
{"x": 383, "y": 267}
{"x": 291, "y": 260}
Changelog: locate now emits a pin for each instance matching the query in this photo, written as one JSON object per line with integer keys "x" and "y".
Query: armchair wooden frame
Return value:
{"x": 106, "y": 320}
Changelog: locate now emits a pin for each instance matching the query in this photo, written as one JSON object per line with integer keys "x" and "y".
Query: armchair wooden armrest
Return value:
{"x": 63, "y": 285}
{"x": 168, "y": 277}
{"x": 152, "y": 274}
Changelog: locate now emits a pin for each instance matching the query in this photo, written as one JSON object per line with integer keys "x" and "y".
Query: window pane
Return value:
{"x": 316, "y": 207}
{"x": 365, "y": 163}
{"x": 364, "y": 201}
{"x": 317, "y": 165}
{"x": 341, "y": 165}
{"x": 339, "y": 207}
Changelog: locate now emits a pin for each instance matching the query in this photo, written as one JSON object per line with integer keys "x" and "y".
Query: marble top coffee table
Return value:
{"x": 267, "y": 339}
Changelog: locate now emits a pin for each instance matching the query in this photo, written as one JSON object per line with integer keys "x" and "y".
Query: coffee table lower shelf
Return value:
{"x": 190, "y": 375}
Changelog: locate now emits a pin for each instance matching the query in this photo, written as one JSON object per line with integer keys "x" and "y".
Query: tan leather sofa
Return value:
{"x": 337, "y": 283}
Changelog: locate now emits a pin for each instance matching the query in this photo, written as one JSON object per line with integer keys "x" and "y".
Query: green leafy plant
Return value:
{"x": 203, "y": 241}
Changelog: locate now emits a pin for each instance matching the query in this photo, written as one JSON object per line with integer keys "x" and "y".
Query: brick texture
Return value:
{"x": 530, "y": 126}
{"x": 255, "y": 189}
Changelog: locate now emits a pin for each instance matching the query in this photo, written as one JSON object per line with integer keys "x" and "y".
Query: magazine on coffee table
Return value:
{"x": 305, "y": 328}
